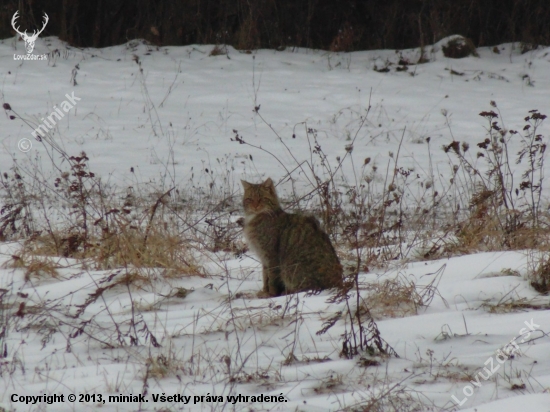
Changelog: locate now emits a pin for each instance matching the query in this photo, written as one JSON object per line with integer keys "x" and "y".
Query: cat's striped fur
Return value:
{"x": 295, "y": 252}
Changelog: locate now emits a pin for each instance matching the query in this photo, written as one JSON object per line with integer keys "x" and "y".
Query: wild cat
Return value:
{"x": 295, "y": 252}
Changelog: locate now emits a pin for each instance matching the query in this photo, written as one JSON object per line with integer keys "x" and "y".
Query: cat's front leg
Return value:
{"x": 269, "y": 289}
{"x": 273, "y": 284}
{"x": 265, "y": 275}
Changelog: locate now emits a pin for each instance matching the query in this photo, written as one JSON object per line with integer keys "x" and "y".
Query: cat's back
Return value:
{"x": 303, "y": 235}
{"x": 291, "y": 236}
{"x": 308, "y": 259}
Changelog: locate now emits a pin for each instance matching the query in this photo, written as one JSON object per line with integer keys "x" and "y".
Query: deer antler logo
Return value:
{"x": 29, "y": 40}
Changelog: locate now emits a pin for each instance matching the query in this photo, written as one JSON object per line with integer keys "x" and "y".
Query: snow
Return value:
{"x": 176, "y": 119}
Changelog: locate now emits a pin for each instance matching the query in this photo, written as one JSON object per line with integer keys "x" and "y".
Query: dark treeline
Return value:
{"x": 338, "y": 25}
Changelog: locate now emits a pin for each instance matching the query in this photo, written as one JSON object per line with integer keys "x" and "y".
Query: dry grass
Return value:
{"x": 482, "y": 230}
{"x": 400, "y": 297}
{"x": 35, "y": 267}
{"x": 394, "y": 298}
{"x": 218, "y": 50}
{"x": 391, "y": 398}
{"x": 540, "y": 277}
{"x": 331, "y": 384}
{"x": 515, "y": 305}
{"x": 125, "y": 248}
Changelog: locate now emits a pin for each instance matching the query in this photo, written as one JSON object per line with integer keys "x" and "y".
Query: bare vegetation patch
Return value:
{"x": 393, "y": 298}
{"x": 539, "y": 277}
{"x": 459, "y": 47}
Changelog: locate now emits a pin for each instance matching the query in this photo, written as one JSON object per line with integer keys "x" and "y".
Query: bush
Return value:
{"x": 459, "y": 47}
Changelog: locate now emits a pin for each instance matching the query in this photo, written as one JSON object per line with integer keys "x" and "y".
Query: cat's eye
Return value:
{"x": 247, "y": 201}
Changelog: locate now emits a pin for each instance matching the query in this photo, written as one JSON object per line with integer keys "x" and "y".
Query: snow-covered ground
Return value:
{"x": 176, "y": 118}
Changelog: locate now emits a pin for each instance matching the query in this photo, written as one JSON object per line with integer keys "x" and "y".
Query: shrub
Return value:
{"x": 459, "y": 47}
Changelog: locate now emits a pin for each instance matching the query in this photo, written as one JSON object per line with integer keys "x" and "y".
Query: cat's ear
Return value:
{"x": 268, "y": 183}
{"x": 246, "y": 185}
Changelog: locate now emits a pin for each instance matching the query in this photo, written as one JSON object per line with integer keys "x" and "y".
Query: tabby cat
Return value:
{"x": 295, "y": 252}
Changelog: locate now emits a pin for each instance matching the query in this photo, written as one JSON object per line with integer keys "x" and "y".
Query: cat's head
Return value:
{"x": 259, "y": 198}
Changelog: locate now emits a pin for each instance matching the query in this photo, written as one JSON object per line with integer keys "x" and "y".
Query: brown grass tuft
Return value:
{"x": 394, "y": 298}
{"x": 34, "y": 266}
{"x": 540, "y": 277}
